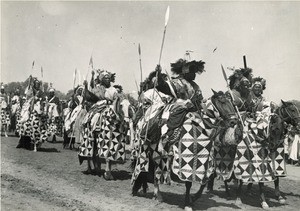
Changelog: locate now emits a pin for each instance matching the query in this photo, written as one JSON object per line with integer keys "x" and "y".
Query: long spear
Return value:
{"x": 161, "y": 48}
{"x": 240, "y": 118}
{"x": 42, "y": 75}
{"x": 140, "y": 59}
{"x": 165, "y": 29}
{"x": 74, "y": 78}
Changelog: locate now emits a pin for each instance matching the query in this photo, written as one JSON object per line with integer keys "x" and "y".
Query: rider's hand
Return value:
{"x": 158, "y": 68}
{"x": 85, "y": 83}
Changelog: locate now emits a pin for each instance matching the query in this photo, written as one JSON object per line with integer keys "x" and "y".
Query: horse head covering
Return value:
{"x": 182, "y": 66}
{"x": 239, "y": 75}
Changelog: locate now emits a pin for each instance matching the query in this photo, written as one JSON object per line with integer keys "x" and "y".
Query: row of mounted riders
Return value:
{"x": 229, "y": 130}
{"x": 287, "y": 113}
{"x": 14, "y": 116}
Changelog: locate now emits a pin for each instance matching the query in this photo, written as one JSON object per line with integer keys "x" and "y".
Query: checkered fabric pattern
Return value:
{"x": 111, "y": 138}
{"x": 35, "y": 128}
{"x": 224, "y": 158}
{"x": 86, "y": 149}
{"x": 193, "y": 154}
{"x": 252, "y": 161}
{"x": 5, "y": 117}
{"x": 162, "y": 163}
{"x": 278, "y": 161}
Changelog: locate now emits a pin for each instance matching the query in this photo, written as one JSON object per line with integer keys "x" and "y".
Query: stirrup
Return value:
{"x": 264, "y": 205}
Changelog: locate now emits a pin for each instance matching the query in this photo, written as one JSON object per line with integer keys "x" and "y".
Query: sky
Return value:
{"x": 61, "y": 36}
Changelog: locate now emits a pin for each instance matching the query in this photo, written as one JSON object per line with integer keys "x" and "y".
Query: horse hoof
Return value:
{"x": 157, "y": 198}
{"x": 281, "y": 200}
{"x": 187, "y": 208}
{"x": 108, "y": 176}
{"x": 264, "y": 205}
{"x": 87, "y": 172}
{"x": 134, "y": 193}
{"x": 238, "y": 201}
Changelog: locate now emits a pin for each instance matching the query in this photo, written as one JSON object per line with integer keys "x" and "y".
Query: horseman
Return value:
{"x": 240, "y": 84}
{"x": 252, "y": 158}
{"x": 178, "y": 132}
{"x": 273, "y": 135}
{"x": 53, "y": 111}
{"x": 33, "y": 122}
{"x": 5, "y": 120}
{"x": 74, "y": 114}
{"x": 104, "y": 133}
{"x": 15, "y": 110}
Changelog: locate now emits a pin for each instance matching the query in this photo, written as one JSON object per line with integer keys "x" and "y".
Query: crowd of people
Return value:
{"x": 235, "y": 133}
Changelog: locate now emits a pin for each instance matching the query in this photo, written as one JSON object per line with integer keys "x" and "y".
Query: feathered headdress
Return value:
{"x": 102, "y": 73}
{"x": 259, "y": 81}
{"x": 238, "y": 74}
{"x": 118, "y": 87}
{"x": 182, "y": 66}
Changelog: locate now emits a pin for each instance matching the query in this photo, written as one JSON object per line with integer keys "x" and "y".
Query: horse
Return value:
{"x": 229, "y": 132}
{"x": 104, "y": 135}
{"x": 286, "y": 114}
{"x": 32, "y": 124}
{"x": 15, "y": 115}
{"x": 173, "y": 148}
{"x": 5, "y": 117}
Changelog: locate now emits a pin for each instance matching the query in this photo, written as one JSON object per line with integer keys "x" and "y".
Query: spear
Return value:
{"x": 239, "y": 115}
{"x": 74, "y": 78}
{"x": 140, "y": 58}
{"x": 155, "y": 83}
{"x": 245, "y": 62}
{"x": 42, "y": 75}
{"x": 165, "y": 29}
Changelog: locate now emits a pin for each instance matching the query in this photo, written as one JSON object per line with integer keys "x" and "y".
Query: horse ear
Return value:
{"x": 215, "y": 93}
{"x": 283, "y": 103}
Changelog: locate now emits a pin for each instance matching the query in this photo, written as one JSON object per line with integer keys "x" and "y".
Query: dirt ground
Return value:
{"x": 52, "y": 179}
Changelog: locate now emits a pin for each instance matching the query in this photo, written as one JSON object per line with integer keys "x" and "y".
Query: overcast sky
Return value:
{"x": 61, "y": 36}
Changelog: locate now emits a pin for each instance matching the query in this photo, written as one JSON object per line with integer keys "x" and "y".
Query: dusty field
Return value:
{"x": 52, "y": 179}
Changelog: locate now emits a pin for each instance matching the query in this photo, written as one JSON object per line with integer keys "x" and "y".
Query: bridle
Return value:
{"x": 289, "y": 115}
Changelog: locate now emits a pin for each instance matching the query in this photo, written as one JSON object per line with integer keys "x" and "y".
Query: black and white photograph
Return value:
{"x": 150, "y": 105}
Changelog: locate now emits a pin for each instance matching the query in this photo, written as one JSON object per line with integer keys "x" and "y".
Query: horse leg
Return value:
{"x": 238, "y": 193}
{"x": 34, "y": 147}
{"x": 262, "y": 196}
{"x": 280, "y": 199}
{"x": 107, "y": 174}
{"x": 188, "y": 201}
{"x": 198, "y": 194}
{"x": 157, "y": 194}
{"x": 226, "y": 188}
{"x": 210, "y": 184}
{"x": 97, "y": 165}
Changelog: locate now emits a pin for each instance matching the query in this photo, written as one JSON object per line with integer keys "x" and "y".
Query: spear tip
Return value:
{"x": 167, "y": 16}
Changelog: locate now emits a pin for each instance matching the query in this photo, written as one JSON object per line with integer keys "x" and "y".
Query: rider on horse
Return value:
{"x": 4, "y": 104}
